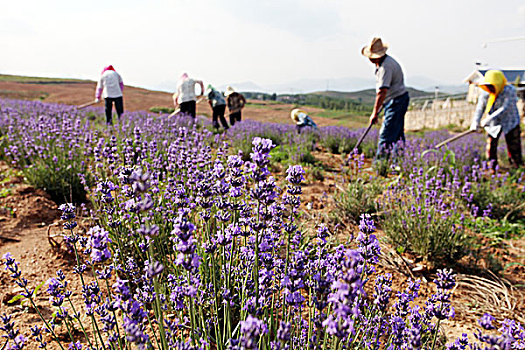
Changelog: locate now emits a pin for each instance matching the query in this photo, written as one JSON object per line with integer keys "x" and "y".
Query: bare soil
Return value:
{"x": 138, "y": 99}
{"x": 28, "y": 217}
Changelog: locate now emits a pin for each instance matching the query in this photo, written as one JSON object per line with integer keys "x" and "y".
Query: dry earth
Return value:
{"x": 137, "y": 99}
{"x": 28, "y": 216}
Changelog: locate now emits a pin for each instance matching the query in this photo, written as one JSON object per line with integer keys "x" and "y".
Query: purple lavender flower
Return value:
{"x": 251, "y": 330}
{"x": 15, "y": 341}
{"x": 486, "y": 321}
{"x": 446, "y": 279}
{"x": 383, "y": 289}
{"x": 295, "y": 174}
{"x": 99, "y": 241}
{"x": 153, "y": 269}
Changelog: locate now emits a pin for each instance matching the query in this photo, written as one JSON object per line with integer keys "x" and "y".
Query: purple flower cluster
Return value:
{"x": 206, "y": 250}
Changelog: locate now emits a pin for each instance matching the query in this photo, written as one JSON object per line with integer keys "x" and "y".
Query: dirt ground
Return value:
{"x": 137, "y": 99}
{"x": 28, "y": 217}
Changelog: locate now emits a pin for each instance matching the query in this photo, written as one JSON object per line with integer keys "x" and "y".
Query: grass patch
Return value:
{"x": 39, "y": 80}
{"x": 157, "y": 109}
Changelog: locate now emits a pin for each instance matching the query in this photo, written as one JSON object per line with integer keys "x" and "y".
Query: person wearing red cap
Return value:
{"x": 110, "y": 86}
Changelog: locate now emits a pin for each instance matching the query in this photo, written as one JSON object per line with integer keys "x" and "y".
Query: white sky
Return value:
{"x": 263, "y": 41}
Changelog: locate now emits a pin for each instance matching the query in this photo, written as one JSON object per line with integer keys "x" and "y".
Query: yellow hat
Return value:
{"x": 494, "y": 78}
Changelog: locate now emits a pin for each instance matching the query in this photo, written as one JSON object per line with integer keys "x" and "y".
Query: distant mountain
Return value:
{"x": 428, "y": 84}
{"x": 345, "y": 84}
{"x": 368, "y": 96}
{"x": 244, "y": 86}
{"x": 303, "y": 86}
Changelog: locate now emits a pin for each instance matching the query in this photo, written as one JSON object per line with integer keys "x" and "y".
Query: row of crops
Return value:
{"x": 190, "y": 240}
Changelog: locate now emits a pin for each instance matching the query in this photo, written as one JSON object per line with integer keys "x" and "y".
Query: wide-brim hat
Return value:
{"x": 229, "y": 91}
{"x": 376, "y": 49}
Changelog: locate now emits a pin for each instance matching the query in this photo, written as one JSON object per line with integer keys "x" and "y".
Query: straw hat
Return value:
{"x": 294, "y": 114}
{"x": 376, "y": 49}
{"x": 229, "y": 91}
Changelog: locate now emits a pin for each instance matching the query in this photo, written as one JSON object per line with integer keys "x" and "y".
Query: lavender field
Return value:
{"x": 181, "y": 237}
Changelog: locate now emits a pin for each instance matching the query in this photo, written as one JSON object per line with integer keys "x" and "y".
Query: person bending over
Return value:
{"x": 498, "y": 100}
{"x": 185, "y": 97}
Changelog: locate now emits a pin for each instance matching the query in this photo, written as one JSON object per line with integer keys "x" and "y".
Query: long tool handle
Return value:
{"x": 87, "y": 104}
{"x": 363, "y": 136}
{"x": 454, "y": 138}
{"x": 176, "y": 111}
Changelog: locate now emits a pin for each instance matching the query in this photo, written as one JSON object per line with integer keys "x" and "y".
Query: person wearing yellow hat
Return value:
{"x": 302, "y": 119}
{"x": 498, "y": 100}
{"x": 236, "y": 102}
{"x": 391, "y": 96}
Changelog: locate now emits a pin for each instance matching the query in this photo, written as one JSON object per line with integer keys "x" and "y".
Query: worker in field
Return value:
{"x": 236, "y": 102}
{"x": 302, "y": 119}
{"x": 110, "y": 86}
{"x": 391, "y": 96}
{"x": 498, "y": 100}
{"x": 185, "y": 97}
{"x": 218, "y": 106}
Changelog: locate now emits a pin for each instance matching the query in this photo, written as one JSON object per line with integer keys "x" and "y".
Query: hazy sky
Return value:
{"x": 264, "y": 41}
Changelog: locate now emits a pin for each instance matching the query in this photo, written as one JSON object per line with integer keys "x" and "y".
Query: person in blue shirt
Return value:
{"x": 302, "y": 119}
{"x": 218, "y": 106}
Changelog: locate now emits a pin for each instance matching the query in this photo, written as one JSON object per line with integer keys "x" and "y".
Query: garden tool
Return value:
{"x": 87, "y": 104}
{"x": 359, "y": 142}
{"x": 493, "y": 131}
{"x": 366, "y": 131}
{"x": 363, "y": 137}
{"x": 177, "y": 110}
{"x": 458, "y": 136}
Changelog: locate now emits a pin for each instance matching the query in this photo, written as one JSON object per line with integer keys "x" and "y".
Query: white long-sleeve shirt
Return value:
{"x": 109, "y": 85}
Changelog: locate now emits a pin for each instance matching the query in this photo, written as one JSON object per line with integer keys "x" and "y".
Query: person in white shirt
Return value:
{"x": 110, "y": 86}
{"x": 185, "y": 97}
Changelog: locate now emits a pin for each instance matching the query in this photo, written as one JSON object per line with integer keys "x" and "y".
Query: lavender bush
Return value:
{"x": 194, "y": 245}
{"x": 341, "y": 140}
{"x": 59, "y": 149}
{"x": 422, "y": 215}
{"x": 358, "y": 195}
{"x": 292, "y": 147}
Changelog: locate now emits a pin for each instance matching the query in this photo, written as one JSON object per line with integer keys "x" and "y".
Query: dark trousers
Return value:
{"x": 119, "y": 106}
{"x": 513, "y": 140}
{"x": 393, "y": 128}
{"x": 235, "y": 117}
{"x": 188, "y": 107}
{"x": 218, "y": 113}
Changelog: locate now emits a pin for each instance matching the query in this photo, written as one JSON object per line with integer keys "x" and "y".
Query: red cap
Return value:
{"x": 110, "y": 67}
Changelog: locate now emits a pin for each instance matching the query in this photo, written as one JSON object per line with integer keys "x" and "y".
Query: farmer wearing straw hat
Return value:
{"x": 302, "y": 119}
{"x": 218, "y": 106}
{"x": 236, "y": 102}
{"x": 185, "y": 97}
{"x": 498, "y": 100}
{"x": 110, "y": 86}
{"x": 391, "y": 95}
